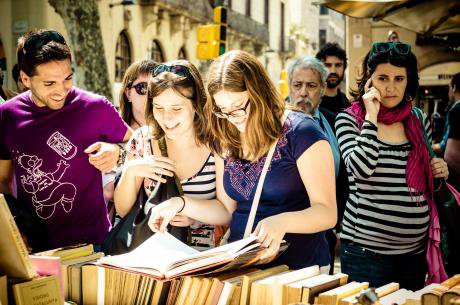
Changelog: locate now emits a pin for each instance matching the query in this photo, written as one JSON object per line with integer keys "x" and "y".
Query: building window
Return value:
{"x": 182, "y": 54}
{"x": 323, "y": 10}
{"x": 248, "y": 8}
{"x": 266, "y": 11}
{"x": 322, "y": 38}
{"x": 155, "y": 52}
{"x": 122, "y": 56}
{"x": 283, "y": 32}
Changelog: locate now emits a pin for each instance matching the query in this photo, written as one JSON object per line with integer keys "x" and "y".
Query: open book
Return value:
{"x": 164, "y": 257}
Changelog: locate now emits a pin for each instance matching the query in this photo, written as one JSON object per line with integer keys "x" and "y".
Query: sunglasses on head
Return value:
{"x": 36, "y": 41}
{"x": 141, "y": 88}
{"x": 176, "y": 69}
{"x": 384, "y": 47}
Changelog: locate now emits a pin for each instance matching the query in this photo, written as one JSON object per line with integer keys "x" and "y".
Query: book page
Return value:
{"x": 158, "y": 252}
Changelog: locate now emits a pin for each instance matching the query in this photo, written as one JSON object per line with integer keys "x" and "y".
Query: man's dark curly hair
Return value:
{"x": 332, "y": 49}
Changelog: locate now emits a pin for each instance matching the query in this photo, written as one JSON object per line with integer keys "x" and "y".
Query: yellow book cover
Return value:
{"x": 3, "y": 294}
{"x": 70, "y": 252}
{"x": 381, "y": 292}
{"x": 249, "y": 278}
{"x": 450, "y": 294}
{"x": 14, "y": 257}
{"x": 332, "y": 297}
{"x": 90, "y": 284}
{"x": 38, "y": 291}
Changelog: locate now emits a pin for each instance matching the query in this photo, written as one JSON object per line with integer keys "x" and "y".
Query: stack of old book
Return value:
{"x": 66, "y": 264}
{"x": 17, "y": 270}
{"x": 447, "y": 292}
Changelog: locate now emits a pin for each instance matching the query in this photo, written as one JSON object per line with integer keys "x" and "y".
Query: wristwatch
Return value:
{"x": 121, "y": 154}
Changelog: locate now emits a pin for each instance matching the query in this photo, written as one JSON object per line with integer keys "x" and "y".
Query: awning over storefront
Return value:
{"x": 436, "y": 17}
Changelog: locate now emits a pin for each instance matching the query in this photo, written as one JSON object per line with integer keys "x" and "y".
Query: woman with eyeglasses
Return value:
{"x": 174, "y": 110}
{"x": 386, "y": 220}
{"x": 245, "y": 114}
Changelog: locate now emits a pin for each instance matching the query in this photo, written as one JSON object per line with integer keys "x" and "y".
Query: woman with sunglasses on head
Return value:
{"x": 386, "y": 220}
{"x": 246, "y": 116}
{"x": 174, "y": 110}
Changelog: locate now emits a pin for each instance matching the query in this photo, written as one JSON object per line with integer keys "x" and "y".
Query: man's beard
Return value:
{"x": 306, "y": 105}
{"x": 333, "y": 83}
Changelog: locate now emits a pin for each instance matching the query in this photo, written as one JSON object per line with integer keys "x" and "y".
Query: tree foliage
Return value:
{"x": 82, "y": 22}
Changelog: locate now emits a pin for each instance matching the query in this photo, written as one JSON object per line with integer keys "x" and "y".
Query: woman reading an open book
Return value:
{"x": 175, "y": 111}
{"x": 246, "y": 115}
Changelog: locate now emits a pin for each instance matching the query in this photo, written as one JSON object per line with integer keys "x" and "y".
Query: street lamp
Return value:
{"x": 124, "y": 3}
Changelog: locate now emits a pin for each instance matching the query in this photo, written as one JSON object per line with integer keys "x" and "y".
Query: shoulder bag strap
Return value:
{"x": 164, "y": 153}
{"x": 418, "y": 112}
{"x": 255, "y": 202}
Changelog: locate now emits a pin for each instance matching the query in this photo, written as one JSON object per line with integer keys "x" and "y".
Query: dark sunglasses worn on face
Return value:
{"x": 384, "y": 47}
{"x": 176, "y": 69}
{"x": 237, "y": 113}
{"x": 141, "y": 88}
{"x": 36, "y": 41}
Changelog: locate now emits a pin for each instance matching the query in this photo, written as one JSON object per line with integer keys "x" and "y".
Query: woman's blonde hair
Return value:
{"x": 239, "y": 71}
{"x": 190, "y": 87}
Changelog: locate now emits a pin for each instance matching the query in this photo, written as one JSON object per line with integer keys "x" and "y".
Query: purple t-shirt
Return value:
{"x": 52, "y": 171}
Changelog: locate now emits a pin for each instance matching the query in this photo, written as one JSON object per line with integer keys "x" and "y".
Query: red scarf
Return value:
{"x": 418, "y": 169}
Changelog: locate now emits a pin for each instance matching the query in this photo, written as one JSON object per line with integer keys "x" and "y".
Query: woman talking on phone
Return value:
{"x": 386, "y": 220}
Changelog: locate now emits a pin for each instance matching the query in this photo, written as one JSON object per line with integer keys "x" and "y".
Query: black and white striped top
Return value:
{"x": 200, "y": 186}
{"x": 380, "y": 214}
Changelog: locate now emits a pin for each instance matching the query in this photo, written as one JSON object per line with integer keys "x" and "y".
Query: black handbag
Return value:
{"x": 133, "y": 229}
{"x": 448, "y": 212}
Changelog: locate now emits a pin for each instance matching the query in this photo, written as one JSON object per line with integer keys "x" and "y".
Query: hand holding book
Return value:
{"x": 270, "y": 232}
{"x": 164, "y": 256}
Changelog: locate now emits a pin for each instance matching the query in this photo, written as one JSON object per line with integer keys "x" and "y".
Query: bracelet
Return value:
{"x": 183, "y": 204}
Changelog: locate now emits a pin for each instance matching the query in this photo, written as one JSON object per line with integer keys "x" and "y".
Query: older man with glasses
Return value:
{"x": 54, "y": 140}
{"x": 307, "y": 83}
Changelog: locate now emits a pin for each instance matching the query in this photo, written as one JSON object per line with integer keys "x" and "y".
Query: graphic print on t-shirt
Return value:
{"x": 47, "y": 189}
{"x": 62, "y": 146}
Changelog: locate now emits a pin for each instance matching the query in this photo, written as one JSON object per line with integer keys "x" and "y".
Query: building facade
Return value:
{"x": 275, "y": 31}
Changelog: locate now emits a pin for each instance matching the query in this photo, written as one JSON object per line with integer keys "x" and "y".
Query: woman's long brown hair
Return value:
{"x": 190, "y": 87}
{"x": 238, "y": 71}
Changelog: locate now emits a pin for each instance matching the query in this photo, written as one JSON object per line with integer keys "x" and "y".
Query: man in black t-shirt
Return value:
{"x": 335, "y": 60}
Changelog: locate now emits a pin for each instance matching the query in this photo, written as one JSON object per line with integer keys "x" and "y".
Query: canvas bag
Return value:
{"x": 133, "y": 229}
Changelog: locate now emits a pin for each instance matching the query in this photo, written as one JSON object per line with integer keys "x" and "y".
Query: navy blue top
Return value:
{"x": 283, "y": 191}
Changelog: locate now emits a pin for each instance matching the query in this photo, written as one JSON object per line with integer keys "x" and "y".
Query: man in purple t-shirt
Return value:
{"x": 54, "y": 141}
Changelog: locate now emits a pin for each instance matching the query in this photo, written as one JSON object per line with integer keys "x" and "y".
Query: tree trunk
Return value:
{"x": 82, "y": 22}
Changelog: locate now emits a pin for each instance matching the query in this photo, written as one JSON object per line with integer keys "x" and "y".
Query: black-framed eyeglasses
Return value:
{"x": 141, "y": 88}
{"x": 176, "y": 69}
{"x": 237, "y": 113}
{"x": 383, "y": 47}
{"x": 35, "y": 41}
